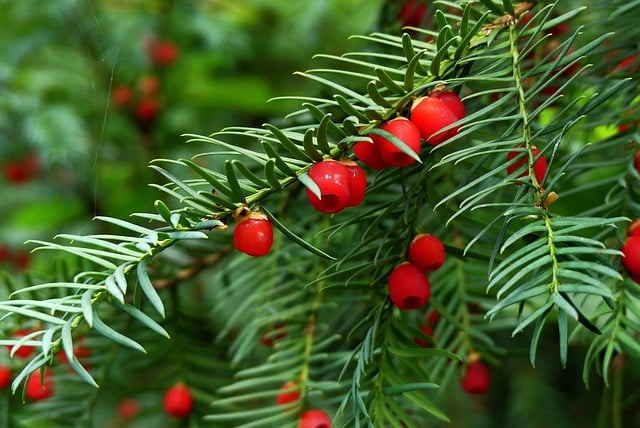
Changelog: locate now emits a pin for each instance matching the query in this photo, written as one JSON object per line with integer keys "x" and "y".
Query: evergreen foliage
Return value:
{"x": 165, "y": 298}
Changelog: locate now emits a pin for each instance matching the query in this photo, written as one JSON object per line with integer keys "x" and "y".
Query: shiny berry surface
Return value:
{"x": 358, "y": 183}
{"x": 427, "y": 252}
{"x": 178, "y": 401}
{"x": 431, "y": 114}
{"x": 253, "y": 236}
{"x": 409, "y": 287}
{"x": 452, "y": 101}
{"x": 631, "y": 255}
{"x": 404, "y": 130}
{"x": 334, "y": 181}
{"x": 369, "y": 154}
{"x": 315, "y": 419}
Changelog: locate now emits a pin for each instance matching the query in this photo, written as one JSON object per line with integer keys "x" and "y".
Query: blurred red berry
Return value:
{"x": 164, "y": 53}
{"x": 149, "y": 85}
{"x": 539, "y": 166}
{"x": 5, "y": 253}
{"x": 289, "y": 392}
{"x": 277, "y": 333}
{"x": 23, "y": 351}
{"x": 128, "y": 408}
{"x": 412, "y": 13}
{"x": 5, "y": 376}
{"x": 22, "y": 170}
{"x": 146, "y": 110}
{"x": 22, "y": 260}
{"x": 315, "y": 419}
{"x": 178, "y": 401}
{"x": 122, "y": 95}
{"x": 40, "y": 388}
{"x": 476, "y": 379}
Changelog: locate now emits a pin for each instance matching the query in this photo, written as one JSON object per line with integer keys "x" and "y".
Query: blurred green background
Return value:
{"x": 91, "y": 91}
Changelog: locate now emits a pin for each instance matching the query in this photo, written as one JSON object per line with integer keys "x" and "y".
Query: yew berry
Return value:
{"x": 409, "y": 287}
{"x": 539, "y": 166}
{"x": 412, "y": 13}
{"x": 476, "y": 379}
{"x": 5, "y": 253}
{"x": 334, "y": 181}
{"x": 315, "y": 418}
{"x": 427, "y": 252}
{"x": 631, "y": 255}
{"x": 146, "y": 110}
{"x": 358, "y": 183}
{"x": 40, "y": 387}
{"x": 122, "y": 95}
{"x": 369, "y": 154}
{"x": 164, "y": 53}
{"x": 149, "y": 85}
{"x": 451, "y": 100}
{"x": 23, "y": 351}
{"x": 427, "y": 330}
{"x": 21, "y": 260}
{"x": 178, "y": 401}
{"x": 634, "y": 229}
{"x": 432, "y": 114}
{"x": 254, "y": 235}
{"x": 278, "y": 333}
{"x": 289, "y": 393}
{"x": 406, "y": 131}
{"x": 128, "y": 408}
{"x": 21, "y": 170}
{"x": 637, "y": 162}
{"x": 5, "y": 376}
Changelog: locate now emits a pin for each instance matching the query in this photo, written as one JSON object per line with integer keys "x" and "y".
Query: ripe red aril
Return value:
{"x": 289, "y": 393}
{"x": 407, "y": 132}
{"x": 164, "y": 53}
{"x": 178, "y": 401}
{"x": 277, "y": 333}
{"x": 451, "y": 100}
{"x": 334, "y": 181}
{"x": 5, "y": 376}
{"x": 430, "y": 115}
{"x": 476, "y": 379}
{"x": 40, "y": 388}
{"x": 637, "y": 162}
{"x": 634, "y": 229}
{"x": 409, "y": 287}
{"x": 539, "y": 166}
{"x": 427, "y": 252}
{"x": 146, "y": 110}
{"x": 358, "y": 183}
{"x": 23, "y": 351}
{"x": 122, "y": 95}
{"x": 253, "y": 235}
{"x": 368, "y": 153}
{"x": 631, "y": 255}
{"x": 315, "y": 418}
{"x": 128, "y": 408}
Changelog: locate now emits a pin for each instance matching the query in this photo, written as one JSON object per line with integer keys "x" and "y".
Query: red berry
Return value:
{"x": 539, "y": 167}
{"x": 22, "y": 170}
{"x": 637, "y": 162}
{"x": 476, "y": 379}
{"x": 315, "y": 419}
{"x": 22, "y": 260}
{"x": 128, "y": 408}
{"x": 627, "y": 62}
{"x": 164, "y": 53}
{"x": 369, "y": 154}
{"x": 278, "y": 333}
{"x": 23, "y": 351}
{"x": 5, "y": 253}
{"x": 404, "y": 130}
{"x": 409, "y": 287}
{"x": 631, "y": 255}
{"x": 5, "y": 376}
{"x": 431, "y": 114}
{"x": 358, "y": 185}
{"x": 122, "y": 95}
{"x": 427, "y": 252}
{"x": 412, "y": 13}
{"x": 178, "y": 401}
{"x": 37, "y": 390}
{"x": 433, "y": 317}
{"x": 633, "y": 229}
{"x": 428, "y": 331}
{"x": 146, "y": 110}
{"x": 451, "y": 100}
{"x": 334, "y": 181}
{"x": 289, "y": 392}
{"x": 254, "y": 235}
{"x": 149, "y": 85}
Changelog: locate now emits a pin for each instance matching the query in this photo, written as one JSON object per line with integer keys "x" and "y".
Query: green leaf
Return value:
{"x": 295, "y": 238}
{"x": 144, "y": 319}
{"x": 232, "y": 180}
{"x": 310, "y": 184}
{"x": 277, "y": 159}
{"x": 289, "y": 145}
{"x": 114, "y": 335}
{"x": 322, "y": 136}
{"x": 148, "y": 288}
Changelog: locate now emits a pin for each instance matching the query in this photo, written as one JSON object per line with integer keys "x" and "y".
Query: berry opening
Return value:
{"x": 412, "y": 302}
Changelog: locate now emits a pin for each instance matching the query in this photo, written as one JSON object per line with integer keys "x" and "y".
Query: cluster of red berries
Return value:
{"x": 22, "y": 170}
{"x": 314, "y": 418}
{"x": 39, "y": 387}
{"x": 429, "y": 117}
{"x": 409, "y": 286}
{"x": 340, "y": 185}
